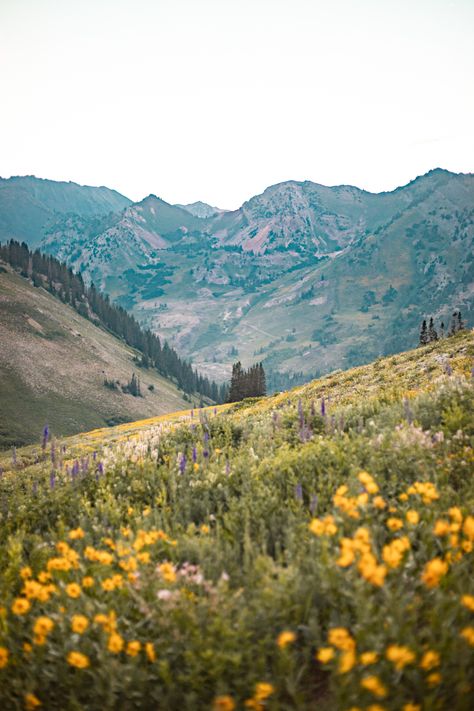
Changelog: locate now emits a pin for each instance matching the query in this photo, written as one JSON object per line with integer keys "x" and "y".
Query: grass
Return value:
{"x": 279, "y": 553}
{"x": 52, "y": 368}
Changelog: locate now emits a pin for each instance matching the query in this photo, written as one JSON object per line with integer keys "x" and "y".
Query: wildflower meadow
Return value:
{"x": 309, "y": 550}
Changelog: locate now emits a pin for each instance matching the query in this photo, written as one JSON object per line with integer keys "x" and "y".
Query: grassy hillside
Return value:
{"x": 311, "y": 550}
{"x": 53, "y": 363}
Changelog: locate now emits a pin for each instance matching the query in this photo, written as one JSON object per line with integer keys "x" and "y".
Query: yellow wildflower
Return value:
{"x": 468, "y": 601}
{"x": 413, "y": 517}
{"x": 394, "y": 524}
{"x": 78, "y": 660}
{"x": 20, "y": 606}
{"x": 379, "y": 502}
{"x": 441, "y": 527}
{"x": 263, "y": 690}
{"x": 325, "y": 654}
{"x": 411, "y": 707}
{"x": 339, "y": 637}
{"x": 400, "y": 656}
{"x": 434, "y": 679}
{"x": 468, "y": 527}
{"x": 150, "y": 652}
{"x": 79, "y": 623}
{"x": 73, "y": 590}
{"x": 456, "y": 514}
{"x": 205, "y": 528}
{"x": 285, "y": 638}
{"x": 223, "y": 703}
{"x": 168, "y": 572}
{"x": 374, "y": 685}
{"x": 26, "y": 572}
{"x": 403, "y": 497}
{"x": 3, "y": 657}
{"x": 87, "y": 582}
{"x": 133, "y": 648}
{"x": 367, "y": 658}
{"x": 430, "y": 660}
{"x": 434, "y": 570}
{"x": 31, "y": 702}
{"x": 43, "y": 625}
{"x": 346, "y": 661}
{"x": 76, "y": 533}
{"x": 115, "y": 643}
{"x": 468, "y": 634}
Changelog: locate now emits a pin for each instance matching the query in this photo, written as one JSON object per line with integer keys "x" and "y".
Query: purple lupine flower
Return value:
{"x": 205, "y": 453}
{"x": 408, "y": 412}
{"x": 1, "y": 471}
{"x": 100, "y": 468}
{"x": 323, "y": 407}
{"x": 94, "y": 456}
{"x": 45, "y": 437}
{"x": 75, "y": 469}
{"x": 313, "y": 504}
{"x": 299, "y": 492}
{"x": 193, "y": 427}
{"x": 206, "y": 436}
{"x": 182, "y": 463}
{"x": 52, "y": 479}
{"x": 195, "y": 455}
{"x": 300, "y": 412}
{"x": 313, "y": 408}
{"x": 448, "y": 369}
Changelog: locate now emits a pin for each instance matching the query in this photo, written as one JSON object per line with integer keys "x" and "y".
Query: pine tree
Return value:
{"x": 423, "y": 334}
{"x": 432, "y": 334}
{"x": 442, "y": 330}
{"x": 454, "y": 324}
{"x": 460, "y": 323}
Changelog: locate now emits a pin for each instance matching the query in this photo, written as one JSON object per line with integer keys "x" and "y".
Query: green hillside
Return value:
{"x": 53, "y": 364}
{"x": 309, "y": 550}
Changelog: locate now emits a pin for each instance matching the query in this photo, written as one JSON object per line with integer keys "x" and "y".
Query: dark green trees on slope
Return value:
{"x": 89, "y": 302}
{"x": 247, "y": 383}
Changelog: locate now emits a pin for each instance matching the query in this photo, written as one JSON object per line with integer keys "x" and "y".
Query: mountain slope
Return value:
{"x": 29, "y": 204}
{"x": 312, "y": 550}
{"x": 303, "y": 277}
{"x": 53, "y": 363}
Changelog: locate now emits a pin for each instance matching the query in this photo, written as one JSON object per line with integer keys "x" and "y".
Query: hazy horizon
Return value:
{"x": 217, "y": 100}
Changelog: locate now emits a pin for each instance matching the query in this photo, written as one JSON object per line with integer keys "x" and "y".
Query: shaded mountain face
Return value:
{"x": 305, "y": 278}
{"x": 28, "y": 205}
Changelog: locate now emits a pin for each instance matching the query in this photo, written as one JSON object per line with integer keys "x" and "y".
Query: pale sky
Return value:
{"x": 215, "y": 100}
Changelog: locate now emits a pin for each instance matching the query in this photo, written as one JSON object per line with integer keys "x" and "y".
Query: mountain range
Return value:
{"x": 305, "y": 278}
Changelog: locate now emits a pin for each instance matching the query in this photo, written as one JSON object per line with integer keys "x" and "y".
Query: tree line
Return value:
{"x": 48, "y": 272}
{"x": 429, "y": 334}
{"x": 247, "y": 383}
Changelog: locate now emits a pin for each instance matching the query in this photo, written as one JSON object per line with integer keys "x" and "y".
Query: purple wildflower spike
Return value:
{"x": 52, "y": 479}
{"x": 45, "y": 437}
{"x": 100, "y": 468}
{"x": 448, "y": 369}
{"x": 299, "y": 492}
{"x": 182, "y": 463}
{"x": 323, "y": 407}
{"x": 313, "y": 408}
{"x": 195, "y": 456}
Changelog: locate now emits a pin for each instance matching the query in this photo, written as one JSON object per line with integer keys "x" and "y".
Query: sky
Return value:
{"x": 215, "y": 100}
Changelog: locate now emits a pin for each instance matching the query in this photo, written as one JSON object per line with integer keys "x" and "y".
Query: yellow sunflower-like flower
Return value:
{"x": 285, "y": 638}
{"x": 79, "y": 624}
{"x": 20, "y": 606}
{"x": 78, "y": 660}
{"x": 223, "y": 703}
